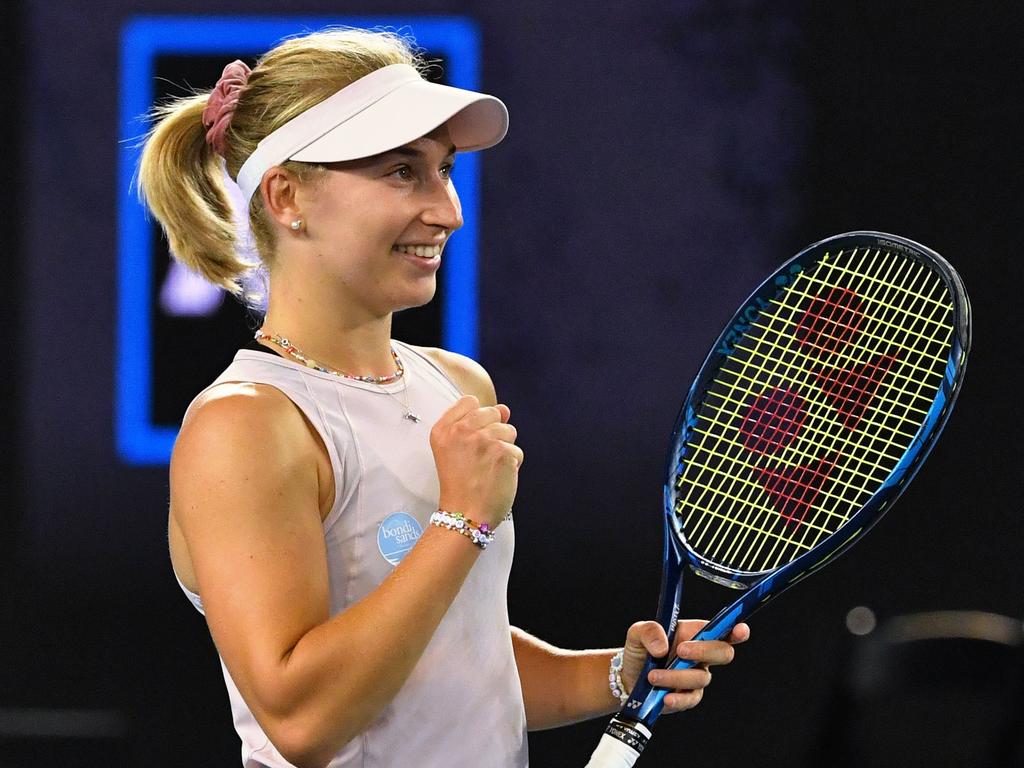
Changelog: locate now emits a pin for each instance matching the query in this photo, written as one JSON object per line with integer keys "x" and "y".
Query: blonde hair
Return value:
{"x": 181, "y": 178}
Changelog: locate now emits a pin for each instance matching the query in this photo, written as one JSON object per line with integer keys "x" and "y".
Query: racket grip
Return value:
{"x": 620, "y": 746}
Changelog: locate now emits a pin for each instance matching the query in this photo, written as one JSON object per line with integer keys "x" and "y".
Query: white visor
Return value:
{"x": 385, "y": 109}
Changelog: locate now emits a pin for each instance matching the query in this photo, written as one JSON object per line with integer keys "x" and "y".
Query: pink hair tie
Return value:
{"x": 220, "y": 107}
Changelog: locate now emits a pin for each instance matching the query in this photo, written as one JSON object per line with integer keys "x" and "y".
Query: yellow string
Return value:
{"x": 717, "y": 492}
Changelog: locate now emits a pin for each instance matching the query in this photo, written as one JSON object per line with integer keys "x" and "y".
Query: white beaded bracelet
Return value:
{"x": 615, "y": 679}
{"x": 481, "y": 534}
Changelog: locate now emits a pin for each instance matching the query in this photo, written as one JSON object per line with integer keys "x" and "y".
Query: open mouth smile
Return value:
{"x": 423, "y": 251}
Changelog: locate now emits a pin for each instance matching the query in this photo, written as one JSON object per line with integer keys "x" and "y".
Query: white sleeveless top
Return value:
{"x": 462, "y": 705}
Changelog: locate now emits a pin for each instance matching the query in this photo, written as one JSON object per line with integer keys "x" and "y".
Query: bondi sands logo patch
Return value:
{"x": 396, "y": 536}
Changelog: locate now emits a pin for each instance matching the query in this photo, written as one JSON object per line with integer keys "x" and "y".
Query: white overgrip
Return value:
{"x": 612, "y": 753}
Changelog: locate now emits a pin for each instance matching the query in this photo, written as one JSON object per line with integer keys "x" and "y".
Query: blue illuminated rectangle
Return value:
{"x": 140, "y": 441}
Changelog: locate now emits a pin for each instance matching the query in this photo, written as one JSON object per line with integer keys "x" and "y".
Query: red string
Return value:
{"x": 773, "y": 421}
{"x": 851, "y": 390}
{"x": 793, "y": 490}
{"x": 831, "y": 322}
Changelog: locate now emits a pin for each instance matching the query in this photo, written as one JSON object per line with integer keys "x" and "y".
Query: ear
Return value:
{"x": 279, "y": 188}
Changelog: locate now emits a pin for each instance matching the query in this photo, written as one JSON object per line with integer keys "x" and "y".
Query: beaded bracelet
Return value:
{"x": 615, "y": 679}
{"x": 480, "y": 534}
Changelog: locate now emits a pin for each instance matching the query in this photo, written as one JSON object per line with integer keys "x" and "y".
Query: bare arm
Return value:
{"x": 559, "y": 686}
{"x": 244, "y": 491}
{"x": 562, "y": 687}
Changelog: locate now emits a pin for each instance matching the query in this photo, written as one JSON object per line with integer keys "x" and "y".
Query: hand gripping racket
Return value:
{"x": 812, "y": 413}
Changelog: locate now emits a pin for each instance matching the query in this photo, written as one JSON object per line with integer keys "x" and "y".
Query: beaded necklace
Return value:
{"x": 309, "y": 362}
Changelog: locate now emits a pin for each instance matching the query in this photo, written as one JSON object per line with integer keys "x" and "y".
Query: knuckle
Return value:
{"x": 635, "y": 633}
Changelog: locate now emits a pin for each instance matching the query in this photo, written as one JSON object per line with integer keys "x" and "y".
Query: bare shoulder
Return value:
{"x": 241, "y": 416}
{"x": 468, "y": 374}
{"x": 248, "y": 435}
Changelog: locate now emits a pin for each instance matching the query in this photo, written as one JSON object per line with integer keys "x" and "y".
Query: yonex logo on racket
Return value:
{"x": 828, "y": 335}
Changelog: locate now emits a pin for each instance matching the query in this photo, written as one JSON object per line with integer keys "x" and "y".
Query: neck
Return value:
{"x": 340, "y": 337}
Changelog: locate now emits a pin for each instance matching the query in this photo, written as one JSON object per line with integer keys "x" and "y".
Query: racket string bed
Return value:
{"x": 886, "y": 408}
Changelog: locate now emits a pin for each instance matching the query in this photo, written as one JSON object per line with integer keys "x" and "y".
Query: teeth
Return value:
{"x": 423, "y": 251}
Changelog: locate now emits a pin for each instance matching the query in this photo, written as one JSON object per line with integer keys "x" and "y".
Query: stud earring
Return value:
{"x": 297, "y": 225}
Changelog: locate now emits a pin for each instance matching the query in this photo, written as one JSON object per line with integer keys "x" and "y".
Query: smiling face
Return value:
{"x": 376, "y": 227}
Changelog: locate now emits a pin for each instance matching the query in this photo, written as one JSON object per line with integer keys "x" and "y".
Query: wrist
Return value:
{"x": 616, "y": 685}
{"x": 480, "y": 534}
{"x": 473, "y": 509}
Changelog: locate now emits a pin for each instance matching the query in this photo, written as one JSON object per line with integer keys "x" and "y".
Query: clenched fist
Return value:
{"x": 477, "y": 460}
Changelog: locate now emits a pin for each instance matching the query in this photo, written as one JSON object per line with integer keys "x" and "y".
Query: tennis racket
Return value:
{"x": 811, "y": 414}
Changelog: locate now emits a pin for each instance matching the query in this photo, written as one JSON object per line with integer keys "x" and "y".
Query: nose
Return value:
{"x": 443, "y": 208}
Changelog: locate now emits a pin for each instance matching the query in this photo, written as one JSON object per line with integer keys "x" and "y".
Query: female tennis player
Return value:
{"x": 340, "y": 501}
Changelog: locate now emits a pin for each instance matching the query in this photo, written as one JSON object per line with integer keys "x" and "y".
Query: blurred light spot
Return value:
{"x": 186, "y": 294}
{"x": 861, "y": 620}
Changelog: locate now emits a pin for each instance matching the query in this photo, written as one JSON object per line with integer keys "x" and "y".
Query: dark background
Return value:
{"x": 662, "y": 158}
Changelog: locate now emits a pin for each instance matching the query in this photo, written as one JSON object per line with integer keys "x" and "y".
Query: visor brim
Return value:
{"x": 475, "y": 121}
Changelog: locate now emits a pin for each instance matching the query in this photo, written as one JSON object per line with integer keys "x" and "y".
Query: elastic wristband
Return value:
{"x": 480, "y": 534}
{"x": 615, "y": 679}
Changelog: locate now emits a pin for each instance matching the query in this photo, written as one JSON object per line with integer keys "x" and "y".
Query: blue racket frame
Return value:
{"x": 646, "y": 702}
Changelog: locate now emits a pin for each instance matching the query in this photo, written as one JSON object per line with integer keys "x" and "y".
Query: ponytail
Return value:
{"x": 181, "y": 179}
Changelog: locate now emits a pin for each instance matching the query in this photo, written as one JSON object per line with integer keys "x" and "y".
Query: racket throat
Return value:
{"x": 671, "y": 580}
{"x": 722, "y": 581}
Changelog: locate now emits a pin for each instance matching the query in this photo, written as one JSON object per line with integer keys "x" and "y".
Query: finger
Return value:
{"x": 706, "y": 651}
{"x": 504, "y": 410}
{"x": 687, "y": 628}
{"x": 504, "y": 432}
{"x": 460, "y": 408}
{"x": 740, "y": 634}
{"x": 679, "y": 701}
{"x": 516, "y": 453}
{"x": 647, "y": 637}
{"x": 481, "y": 417}
{"x": 680, "y": 679}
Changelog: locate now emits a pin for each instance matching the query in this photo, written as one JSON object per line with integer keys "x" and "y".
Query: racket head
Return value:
{"x": 816, "y": 406}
